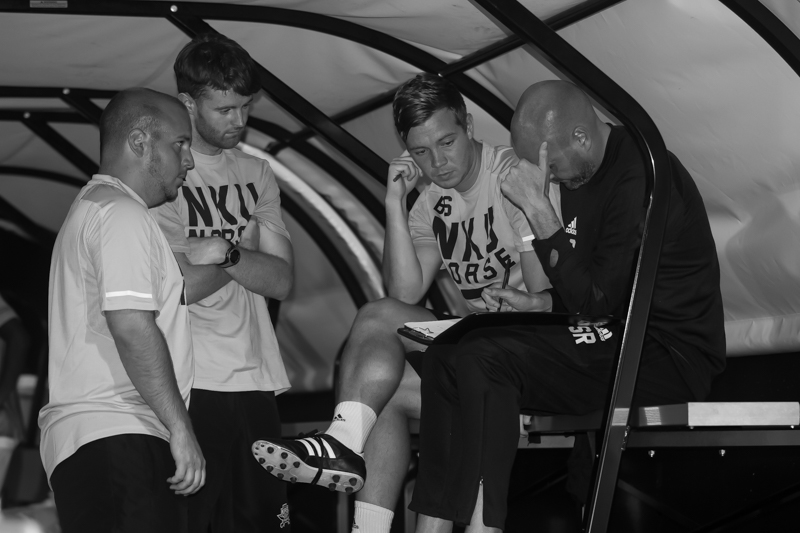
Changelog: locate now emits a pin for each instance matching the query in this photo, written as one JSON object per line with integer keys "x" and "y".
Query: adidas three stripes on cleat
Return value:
{"x": 317, "y": 460}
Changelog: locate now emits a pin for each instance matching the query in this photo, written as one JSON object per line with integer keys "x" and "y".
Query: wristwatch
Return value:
{"x": 232, "y": 257}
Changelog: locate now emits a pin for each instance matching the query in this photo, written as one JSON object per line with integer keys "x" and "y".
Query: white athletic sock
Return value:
{"x": 370, "y": 518}
{"x": 352, "y": 423}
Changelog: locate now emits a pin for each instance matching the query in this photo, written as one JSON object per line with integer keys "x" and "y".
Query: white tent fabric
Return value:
{"x": 725, "y": 102}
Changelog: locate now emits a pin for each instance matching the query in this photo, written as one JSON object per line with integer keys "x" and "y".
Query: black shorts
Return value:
{"x": 119, "y": 484}
{"x": 472, "y": 394}
{"x": 239, "y": 495}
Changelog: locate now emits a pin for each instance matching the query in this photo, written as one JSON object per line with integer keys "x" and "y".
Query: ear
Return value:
{"x": 470, "y": 127}
{"x": 189, "y": 102}
{"x": 581, "y": 138}
{"x": 137, "y": 142}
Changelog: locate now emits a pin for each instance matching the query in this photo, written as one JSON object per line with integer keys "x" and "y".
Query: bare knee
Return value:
{"x": 373, "y": 353}
{"x": 381, "y": 317}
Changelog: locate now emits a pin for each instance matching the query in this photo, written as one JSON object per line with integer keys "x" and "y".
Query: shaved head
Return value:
{"x": 131, "y": 109}
{"x": 561, "y": 114}
{"x": 145, "y": 141}
{"x": 550, "y": 111}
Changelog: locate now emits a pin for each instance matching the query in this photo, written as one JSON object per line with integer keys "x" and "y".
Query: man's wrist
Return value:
{"x": 395, "y": 208}
{"x": 536, "y": 206}
{"x": 232, "y": 256}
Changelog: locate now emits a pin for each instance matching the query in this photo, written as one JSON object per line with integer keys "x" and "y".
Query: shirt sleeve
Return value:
{"x": 597, "y": 282}
{"x": 169, "y": 219}
{"x": 125, "y": 257}
{"x": 268, "y": 207}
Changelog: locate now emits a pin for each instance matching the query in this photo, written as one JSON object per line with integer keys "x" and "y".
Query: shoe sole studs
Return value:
{"x": 286, "y": 466}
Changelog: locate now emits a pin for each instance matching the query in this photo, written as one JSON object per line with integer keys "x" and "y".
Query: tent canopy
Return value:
{"x": 718, "y": 78}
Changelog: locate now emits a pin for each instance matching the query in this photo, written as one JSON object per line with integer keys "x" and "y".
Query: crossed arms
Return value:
{"x": 265, "y": 267}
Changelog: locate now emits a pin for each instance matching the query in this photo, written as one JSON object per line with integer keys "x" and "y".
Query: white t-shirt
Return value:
{"x": 109, "y": 255}
{"x": 479, "y": 231}
{"x": 235, "y": 345}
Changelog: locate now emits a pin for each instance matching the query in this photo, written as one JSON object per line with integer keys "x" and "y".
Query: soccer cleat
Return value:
{"x": 318, "y": 460}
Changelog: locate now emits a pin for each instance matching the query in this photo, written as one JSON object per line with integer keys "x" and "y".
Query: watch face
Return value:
{"x": 235, "y": 255}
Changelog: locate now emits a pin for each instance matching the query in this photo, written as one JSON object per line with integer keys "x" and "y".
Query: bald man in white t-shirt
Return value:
{"x": 117, "y": 442}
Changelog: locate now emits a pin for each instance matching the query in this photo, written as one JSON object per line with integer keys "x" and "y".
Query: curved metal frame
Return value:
{"x": 325, "y": 162}
{"x": 333, "y": 255}
{"x": 475, "y": 59}
{"x": 42, "y": 174}
{"x": 610, "y": 95}
{"x": 770, "y": 28}
{"x": 287, "y": 17}
{"x": 79, "y": 98}
{"x": 340, "y": 265}
{"x": 567, "y": 60}
{"x": 291, "y": 101}
{"x": 43, "y": 235}
{"x": 346, "y": 30}
{"x": 61, "y": 145}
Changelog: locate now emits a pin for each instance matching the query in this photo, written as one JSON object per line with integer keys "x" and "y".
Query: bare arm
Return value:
{"x": 266, "y": 265}
{"x": 407, "y": 271}
{"x": 267, "y": 270}
{"x": 528, "y": 186}
{"x": 515, "y": 300}
{"x": 201, "y": 280}
{"x": 145, "y": 356}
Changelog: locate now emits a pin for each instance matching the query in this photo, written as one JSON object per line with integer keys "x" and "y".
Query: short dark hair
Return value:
{"x": 130, "y": 110}
{"x": 213, "y": 61}
{"x": 422, "y": 96}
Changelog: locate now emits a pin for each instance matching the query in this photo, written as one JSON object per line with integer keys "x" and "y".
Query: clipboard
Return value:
{"x": 486, "y": 319}
{"x": 415, "y": 336}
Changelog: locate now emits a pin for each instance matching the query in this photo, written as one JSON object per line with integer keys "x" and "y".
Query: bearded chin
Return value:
{"x": 229, "y": 143}
{"x": 215, "y": 138}
{"x": 582, "y": 178}
{"x": 170, "y": 194}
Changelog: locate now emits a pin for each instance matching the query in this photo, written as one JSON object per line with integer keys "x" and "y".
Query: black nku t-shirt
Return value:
{"x": 603, "y": 223}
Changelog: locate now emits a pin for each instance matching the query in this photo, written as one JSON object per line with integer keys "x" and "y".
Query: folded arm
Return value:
{"x": 265, "y": 266}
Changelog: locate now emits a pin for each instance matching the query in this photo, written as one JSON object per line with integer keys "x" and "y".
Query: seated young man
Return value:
{"x": 461, "y": 222}
{"x": 471, "y": 395}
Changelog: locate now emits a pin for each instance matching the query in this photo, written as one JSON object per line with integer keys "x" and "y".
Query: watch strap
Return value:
{"x": 231, "y": 257}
